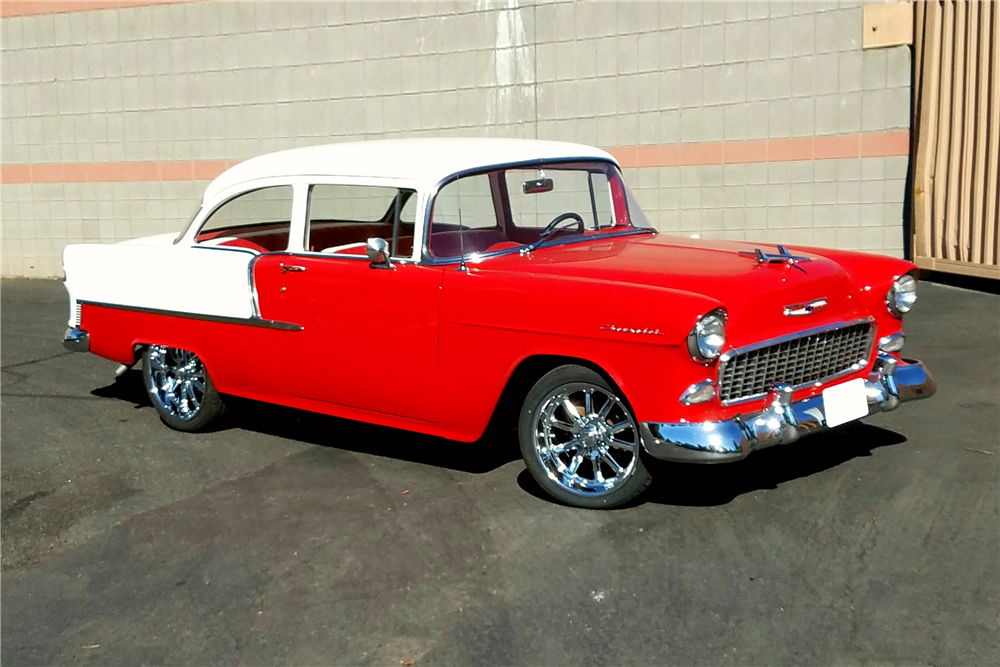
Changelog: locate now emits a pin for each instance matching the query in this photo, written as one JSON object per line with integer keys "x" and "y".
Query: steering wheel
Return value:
{"x": 552, "y": 227}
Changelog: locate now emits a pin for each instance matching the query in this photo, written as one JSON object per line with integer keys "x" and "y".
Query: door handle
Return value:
{"x": 291, "y": 268}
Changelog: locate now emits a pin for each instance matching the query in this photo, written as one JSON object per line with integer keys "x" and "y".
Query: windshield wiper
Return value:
{"x": 630, "y": 231}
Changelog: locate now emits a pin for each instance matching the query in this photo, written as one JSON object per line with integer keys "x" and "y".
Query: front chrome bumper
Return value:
{"x": 783, "y": 421}
{"x": 76, "y": 340}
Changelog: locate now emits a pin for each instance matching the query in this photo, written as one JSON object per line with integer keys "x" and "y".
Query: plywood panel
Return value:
{"x": 957, "y": 137}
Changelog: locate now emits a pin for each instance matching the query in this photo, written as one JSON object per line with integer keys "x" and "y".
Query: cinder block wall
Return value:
{"x": 756, "y": 121}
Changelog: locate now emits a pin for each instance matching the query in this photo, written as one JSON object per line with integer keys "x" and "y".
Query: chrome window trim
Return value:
{"x": 729, "y": 354}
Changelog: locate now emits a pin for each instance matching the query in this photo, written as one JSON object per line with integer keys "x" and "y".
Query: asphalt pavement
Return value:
{"x": 290, "y": 538}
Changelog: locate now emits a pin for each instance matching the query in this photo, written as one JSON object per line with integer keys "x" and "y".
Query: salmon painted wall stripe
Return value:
{"x": 106, "y": 172}
{"x": 12, "y": 8}
{"x": 868, "y": 145}
{"x": 895, "y": 143}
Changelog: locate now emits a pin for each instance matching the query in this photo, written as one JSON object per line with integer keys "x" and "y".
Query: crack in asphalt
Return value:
{"x": 35, "y": 361}
{"x": 59, "y": 396}
{"x": 21, "y": 504}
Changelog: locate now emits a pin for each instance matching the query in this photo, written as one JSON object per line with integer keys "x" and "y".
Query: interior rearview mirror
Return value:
{"x": 378, "y": 253}
{"x": 538, "y": 185}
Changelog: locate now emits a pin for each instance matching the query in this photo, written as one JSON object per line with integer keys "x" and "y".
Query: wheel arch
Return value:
{"x": 524, "y": 376}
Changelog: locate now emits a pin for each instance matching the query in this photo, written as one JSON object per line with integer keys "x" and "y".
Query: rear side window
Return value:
{"x": 258, "y": 219}
{"x": 341, "y": 218}
{"x": 350, "y": 203}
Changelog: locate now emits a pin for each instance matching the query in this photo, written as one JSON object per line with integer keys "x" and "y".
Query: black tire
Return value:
{"x": 572, "y": 380}
{"x": 211, "y": 405}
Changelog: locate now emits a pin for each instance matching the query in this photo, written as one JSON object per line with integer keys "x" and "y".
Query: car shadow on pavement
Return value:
{"x": 674, "y": 483}
{"x": 495, "y": 449}
{"x": 694, "y": 485}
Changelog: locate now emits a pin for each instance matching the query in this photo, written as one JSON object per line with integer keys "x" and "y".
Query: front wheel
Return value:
{"x": 580, "y": 440}
{"x": 180, "y": 388}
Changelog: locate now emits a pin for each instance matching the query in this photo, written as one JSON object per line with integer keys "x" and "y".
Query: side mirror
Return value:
{"x": 378, "y": 253}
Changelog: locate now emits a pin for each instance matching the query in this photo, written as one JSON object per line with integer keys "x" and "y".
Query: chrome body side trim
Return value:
{"x": 782, "y": 421}
{"x": 76, "y": 340}
{"x": 254, "y": 301}
{"x": 249, "y": 322}
{"x": 226, "y": 248}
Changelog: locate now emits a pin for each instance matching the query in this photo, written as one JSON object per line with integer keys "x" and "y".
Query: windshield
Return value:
{"x": 527, "y": 207}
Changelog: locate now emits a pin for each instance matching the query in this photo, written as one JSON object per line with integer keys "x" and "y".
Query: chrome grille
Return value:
{"x": 799, "y": 361}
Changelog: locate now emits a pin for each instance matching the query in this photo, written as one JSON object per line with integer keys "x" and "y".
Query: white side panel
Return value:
{"x": 199, "y": 280}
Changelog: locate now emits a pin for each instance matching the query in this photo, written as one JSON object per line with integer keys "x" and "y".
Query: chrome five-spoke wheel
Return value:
{"x": 580, "y": 440}
{"x": 179, "y": 387}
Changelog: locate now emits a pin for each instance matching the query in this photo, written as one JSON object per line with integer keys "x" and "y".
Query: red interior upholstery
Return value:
{"x": 274, "y": 238}
{"x": 330, "y": 234}
{"x": 263, "y": 238}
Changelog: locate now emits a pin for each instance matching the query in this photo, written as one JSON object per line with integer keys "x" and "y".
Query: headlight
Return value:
{"x": 708, "y": 336}
{"x": 901, "y": 295}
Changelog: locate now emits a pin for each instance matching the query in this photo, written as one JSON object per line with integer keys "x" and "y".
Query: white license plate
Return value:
{"x": 845, "y": 402}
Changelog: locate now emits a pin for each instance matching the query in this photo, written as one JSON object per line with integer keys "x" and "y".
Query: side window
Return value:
{"x": 408, "y": 214}
{"x": 259, "y": 220}
{"x": 341, "y": 218}
{"x": 586, "y": 193}
{"x": 464, "y": 204}
{"x": 604, "y": 206}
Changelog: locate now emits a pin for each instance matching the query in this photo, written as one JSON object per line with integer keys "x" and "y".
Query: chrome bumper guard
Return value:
{"x": 783, "y": 422}
{"x": 76, "y": 340}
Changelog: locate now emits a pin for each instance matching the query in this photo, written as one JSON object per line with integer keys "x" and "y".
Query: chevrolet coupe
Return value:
{"x": 426, "y": 284}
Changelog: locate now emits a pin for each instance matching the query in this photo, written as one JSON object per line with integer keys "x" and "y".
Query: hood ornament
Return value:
{"x": 783, "y": 257}
{"x": 800, "y": 309}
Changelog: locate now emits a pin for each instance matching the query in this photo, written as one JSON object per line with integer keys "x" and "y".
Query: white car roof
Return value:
{"x": 423, "y": 162}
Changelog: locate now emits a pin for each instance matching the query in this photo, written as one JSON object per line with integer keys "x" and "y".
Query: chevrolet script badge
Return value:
{"x": 809, "y": 308}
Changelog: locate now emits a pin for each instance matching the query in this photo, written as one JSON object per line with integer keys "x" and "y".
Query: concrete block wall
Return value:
{"x": 746, "y": 120}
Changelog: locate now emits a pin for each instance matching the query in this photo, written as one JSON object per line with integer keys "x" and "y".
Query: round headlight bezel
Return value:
{"x": 708, "y": 337}
{"x": 902, "y": 295}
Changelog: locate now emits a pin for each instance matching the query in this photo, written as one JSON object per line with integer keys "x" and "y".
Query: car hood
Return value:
{"x": 754, "y": 294}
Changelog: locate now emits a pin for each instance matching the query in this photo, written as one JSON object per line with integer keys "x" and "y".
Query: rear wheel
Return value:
{"x": 180, "y": 388}
{"x": 580, "y": 440}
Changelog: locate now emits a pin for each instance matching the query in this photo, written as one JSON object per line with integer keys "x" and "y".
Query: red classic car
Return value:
{"x": 420, "y": 284}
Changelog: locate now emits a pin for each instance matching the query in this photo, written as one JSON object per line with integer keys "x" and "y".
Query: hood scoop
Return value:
{"x": 783, "y": 257}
